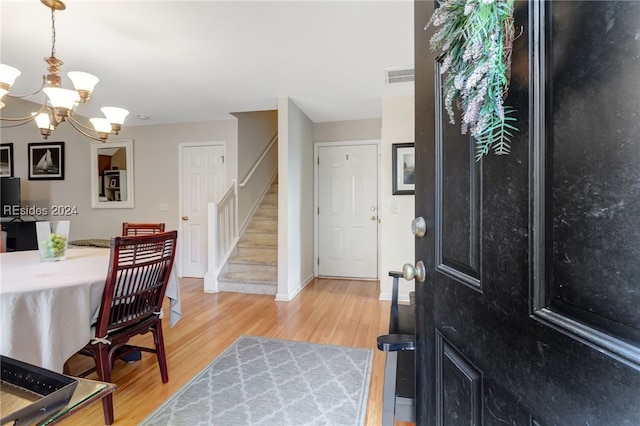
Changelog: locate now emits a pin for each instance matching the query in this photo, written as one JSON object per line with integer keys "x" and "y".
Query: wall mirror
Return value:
{"x": 112, "y": 175}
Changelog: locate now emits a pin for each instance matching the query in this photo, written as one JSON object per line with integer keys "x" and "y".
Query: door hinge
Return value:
{"x": 222, "y": 156}
{"x": 318, "y": 261}
{"x": 318, "y": 158}
{"x": 318, "y": 210}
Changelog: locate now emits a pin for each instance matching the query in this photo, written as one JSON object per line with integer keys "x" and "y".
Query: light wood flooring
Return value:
{"x": 328, "y": 311}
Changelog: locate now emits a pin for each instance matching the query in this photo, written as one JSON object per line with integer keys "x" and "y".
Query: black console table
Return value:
{"x": 21, "y": 235}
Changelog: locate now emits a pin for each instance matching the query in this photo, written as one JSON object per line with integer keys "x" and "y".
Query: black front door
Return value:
{"x": 530, "y": 311}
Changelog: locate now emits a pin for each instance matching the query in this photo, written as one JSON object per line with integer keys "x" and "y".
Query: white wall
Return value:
{"x": 295, "y": 199}
{"x": 255, "y": 130}
{"x": 352, "y": 130}
{"x": 396, "y": 239}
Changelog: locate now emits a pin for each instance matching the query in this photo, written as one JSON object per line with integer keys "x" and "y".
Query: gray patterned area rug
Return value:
{"x": 273, "y": 382}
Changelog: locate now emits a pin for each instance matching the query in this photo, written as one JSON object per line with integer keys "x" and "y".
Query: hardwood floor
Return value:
{"x": 338, "y": 312}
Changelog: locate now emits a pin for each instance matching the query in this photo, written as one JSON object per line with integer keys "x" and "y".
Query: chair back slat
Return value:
{"x": 141, "y": 228}
{"x": 139, "y": 270}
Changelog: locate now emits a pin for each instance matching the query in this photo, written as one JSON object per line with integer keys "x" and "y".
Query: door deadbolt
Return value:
{"x": 419, "y": 227}
{"x": 418, "y": 272}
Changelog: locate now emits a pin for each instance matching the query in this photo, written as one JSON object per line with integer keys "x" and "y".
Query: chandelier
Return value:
{"x": 60, "y": 104}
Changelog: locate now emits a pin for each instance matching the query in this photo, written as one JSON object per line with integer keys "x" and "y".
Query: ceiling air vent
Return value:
{"x": 399, "y": 75}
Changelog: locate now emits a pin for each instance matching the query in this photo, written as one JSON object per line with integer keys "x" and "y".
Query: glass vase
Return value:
{"x": 53, "y": 237}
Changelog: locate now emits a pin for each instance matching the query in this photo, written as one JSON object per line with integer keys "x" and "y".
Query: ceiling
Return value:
{"x": 183, "y": 61}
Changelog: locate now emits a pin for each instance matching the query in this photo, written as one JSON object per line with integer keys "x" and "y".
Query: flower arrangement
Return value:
{"x": 475, "y": 39}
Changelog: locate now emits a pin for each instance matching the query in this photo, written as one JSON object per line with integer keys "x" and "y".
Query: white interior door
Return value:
{"x": 203, "y": 181}
{"x": 348, "y": 211}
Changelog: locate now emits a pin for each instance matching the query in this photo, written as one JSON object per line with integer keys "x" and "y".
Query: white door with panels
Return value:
{"x": 202, "y": 181}
{"x": 348, "y": 211}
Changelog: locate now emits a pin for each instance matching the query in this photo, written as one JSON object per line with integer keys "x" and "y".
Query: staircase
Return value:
{"x": 254, "y": 267}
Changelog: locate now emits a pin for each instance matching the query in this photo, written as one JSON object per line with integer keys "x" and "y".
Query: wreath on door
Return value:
{"x": 475, "y": 40}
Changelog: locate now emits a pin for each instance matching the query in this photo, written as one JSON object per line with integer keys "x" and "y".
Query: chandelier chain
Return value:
{"x": 53, "y": 32}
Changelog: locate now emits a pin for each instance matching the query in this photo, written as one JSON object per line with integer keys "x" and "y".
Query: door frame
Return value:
{"x": 181, "y": 147}
{"x": 316, "y": 205}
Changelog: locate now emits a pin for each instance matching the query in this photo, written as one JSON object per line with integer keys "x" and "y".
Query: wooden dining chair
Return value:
{"x": 141, "y": 228}
{"x": 139, "y": 270}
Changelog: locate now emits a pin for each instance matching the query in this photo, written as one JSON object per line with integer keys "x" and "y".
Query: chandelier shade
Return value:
{"x": 8, "y": 75}
{"x": 115, "y": 115}
{"x": 83, "y": 82}
{"x": 101, "y": 125}
{"x": 42, "y": 120}
{"x": 59, "y": 104}
{"x": 61, "y": 98}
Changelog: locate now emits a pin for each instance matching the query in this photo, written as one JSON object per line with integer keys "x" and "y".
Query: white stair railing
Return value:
{"x": 223, "y": 235}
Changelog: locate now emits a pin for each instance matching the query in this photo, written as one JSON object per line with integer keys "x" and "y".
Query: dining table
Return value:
{"x": 47, "y": 308}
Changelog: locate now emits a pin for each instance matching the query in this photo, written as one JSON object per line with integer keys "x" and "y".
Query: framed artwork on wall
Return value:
{"x": 46, "y": 161}
{"x": 6, "y": 159}
{"x": 404, "y": 165}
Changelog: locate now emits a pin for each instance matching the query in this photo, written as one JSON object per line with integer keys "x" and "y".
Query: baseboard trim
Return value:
{"x": 401, "y": 297}
{"x": 287, "y": 297}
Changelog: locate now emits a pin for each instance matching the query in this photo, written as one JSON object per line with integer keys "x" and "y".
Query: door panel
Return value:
{"x": 459, "y": 181}
{"x": 588, "y": 275}
{"x": 347, "y": 218}
{"x": 459, "y": 391}
{"x": 529, "y": 312}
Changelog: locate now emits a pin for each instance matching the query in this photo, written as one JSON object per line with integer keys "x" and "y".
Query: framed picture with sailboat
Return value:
{"x": 46, "y": 161}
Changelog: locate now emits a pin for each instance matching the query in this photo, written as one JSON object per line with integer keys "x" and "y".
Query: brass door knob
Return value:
{"x": 185, "y": 217}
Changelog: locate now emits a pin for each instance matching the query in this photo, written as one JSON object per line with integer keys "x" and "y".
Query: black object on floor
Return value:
{"x": 132, "y": 356}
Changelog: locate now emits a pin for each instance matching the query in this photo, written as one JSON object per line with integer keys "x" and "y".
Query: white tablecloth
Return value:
{"x": 46, "y": 308}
